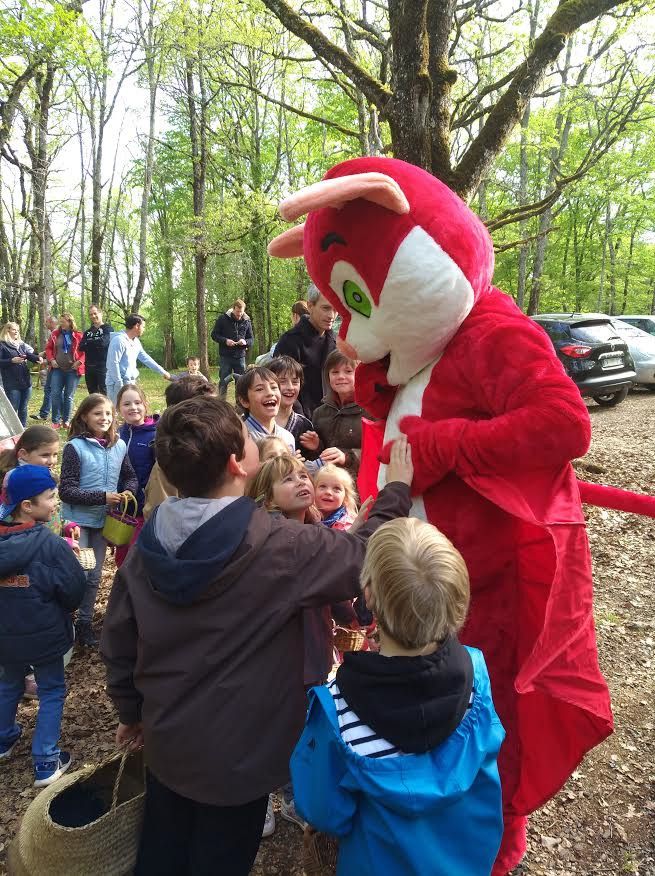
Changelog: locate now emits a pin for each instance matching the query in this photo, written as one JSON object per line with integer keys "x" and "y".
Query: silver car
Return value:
{"x": 642, "y": 349}
{"x": 645, "y": 322}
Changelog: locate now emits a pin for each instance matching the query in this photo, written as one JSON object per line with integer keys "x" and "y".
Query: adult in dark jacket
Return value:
{"x": 203, "y": 638}
{"x": 16, "y": 378}
{"x": 42, "y": 583}
{"x": 233, "y": 333}
{"x": 94, "y": 345}
{"x": 310, "y": 342}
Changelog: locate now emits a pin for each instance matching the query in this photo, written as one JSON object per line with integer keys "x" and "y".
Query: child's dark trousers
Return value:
{"x": 184, "y": 838}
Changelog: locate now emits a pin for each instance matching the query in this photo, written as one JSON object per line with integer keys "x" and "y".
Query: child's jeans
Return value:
{"x": 181, "y": 836}
{"x": 91, "y": 538}
{"x": 51, "y": 685}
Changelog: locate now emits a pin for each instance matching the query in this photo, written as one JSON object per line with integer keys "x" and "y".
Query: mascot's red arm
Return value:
{"x": 538, "y": 417}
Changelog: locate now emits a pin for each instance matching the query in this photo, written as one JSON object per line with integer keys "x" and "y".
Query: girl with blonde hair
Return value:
{"x": 336, "y": 498}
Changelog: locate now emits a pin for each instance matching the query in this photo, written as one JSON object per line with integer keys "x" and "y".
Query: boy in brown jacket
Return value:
{"x": 203, "y": 640}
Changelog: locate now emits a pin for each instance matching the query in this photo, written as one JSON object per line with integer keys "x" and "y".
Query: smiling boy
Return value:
{"x": 258, "y": 393}
{"x": 289, "y": 374}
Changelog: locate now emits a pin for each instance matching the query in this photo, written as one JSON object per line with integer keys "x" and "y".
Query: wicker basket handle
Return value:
{"x": 125, "y": 753}
{"x": 119, "y": 776}
{"x": 127, "y": 500}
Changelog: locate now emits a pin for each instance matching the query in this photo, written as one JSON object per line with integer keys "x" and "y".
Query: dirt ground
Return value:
{"x": 602, "y": 821}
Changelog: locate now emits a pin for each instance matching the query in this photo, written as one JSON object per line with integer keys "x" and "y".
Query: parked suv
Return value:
{"x": 592, "y": 353}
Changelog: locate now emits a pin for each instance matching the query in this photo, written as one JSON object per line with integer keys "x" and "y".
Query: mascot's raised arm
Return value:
{"x": 493, "y": 422}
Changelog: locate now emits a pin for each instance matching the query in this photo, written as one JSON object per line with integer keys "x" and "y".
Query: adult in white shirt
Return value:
{"x": 124, "y": 352}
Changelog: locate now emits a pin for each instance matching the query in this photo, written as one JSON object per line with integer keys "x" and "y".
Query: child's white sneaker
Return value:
{"x": 288, "y": 811}
{"x": 48, "y": 771}
{"x": 269, "y": 823}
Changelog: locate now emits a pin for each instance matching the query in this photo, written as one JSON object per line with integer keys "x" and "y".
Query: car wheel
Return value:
{"x": 612, "y": 399}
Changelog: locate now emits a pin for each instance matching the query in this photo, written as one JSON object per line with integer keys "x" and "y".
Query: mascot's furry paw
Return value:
{"x": 431, "y": 457}
{"x": 372, "y": 389}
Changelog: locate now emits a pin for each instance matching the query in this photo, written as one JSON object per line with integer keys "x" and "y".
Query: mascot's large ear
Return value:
{"x": 376, "y": 187}
{"x": 287, "y": 245}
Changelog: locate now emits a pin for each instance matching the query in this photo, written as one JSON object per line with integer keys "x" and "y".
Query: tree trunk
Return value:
{"x": 153, "y": 67}
{"x": 523, "y": 199}
{"x": 44, "y": 86}
{"x": 628, "y": 267}
{"x": 603, "y": 258}
{"x": 417, "y": 105}
{"x": 198, "y": 136}
{"x": 611, "y": 309}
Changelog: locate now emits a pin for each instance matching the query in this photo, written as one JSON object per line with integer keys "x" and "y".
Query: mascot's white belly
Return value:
{"x": 408, "y": 402}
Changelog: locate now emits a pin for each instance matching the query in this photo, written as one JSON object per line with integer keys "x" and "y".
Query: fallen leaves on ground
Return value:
{"x": 602, "y": 820}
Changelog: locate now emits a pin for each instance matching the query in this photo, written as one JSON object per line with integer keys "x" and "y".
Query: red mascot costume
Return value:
{"x": 493, "y": 422}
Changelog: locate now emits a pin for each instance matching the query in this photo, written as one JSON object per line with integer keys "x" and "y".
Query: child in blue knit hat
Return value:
{"x": 41, "y": 583}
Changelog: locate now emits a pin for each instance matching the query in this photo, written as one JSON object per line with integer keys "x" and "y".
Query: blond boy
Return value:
{"x": 398, "y": 757}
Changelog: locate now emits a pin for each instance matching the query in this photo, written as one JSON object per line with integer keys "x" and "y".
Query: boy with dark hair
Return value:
{"x": 188, "y": 387}
{"x": 258, "y": 395}
{"x": 193, "y": 369}
{"x": 203, "y": 640}
{"x": 159, "y": 487}
{"x": 289, "y": 375}
{"x": 41, "y": 583}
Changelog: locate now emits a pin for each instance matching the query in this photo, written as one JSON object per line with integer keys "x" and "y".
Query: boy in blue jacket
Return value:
{"x": 398, "y": 755}
{"x": 41, "y": 583}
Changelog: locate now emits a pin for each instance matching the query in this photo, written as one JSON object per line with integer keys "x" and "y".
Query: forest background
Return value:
{"x": 145, "y": 145}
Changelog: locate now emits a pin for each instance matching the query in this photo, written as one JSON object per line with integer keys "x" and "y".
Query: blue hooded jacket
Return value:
{"x": 140, "y": 441}
{"x": 41, "y": 583}
{"x": 432, "y": 814}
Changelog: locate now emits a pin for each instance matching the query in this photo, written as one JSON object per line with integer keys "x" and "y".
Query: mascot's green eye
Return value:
{"x": 356, "y": 299}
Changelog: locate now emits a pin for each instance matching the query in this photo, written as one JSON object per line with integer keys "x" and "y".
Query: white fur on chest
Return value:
{"x": 407, "y": 403}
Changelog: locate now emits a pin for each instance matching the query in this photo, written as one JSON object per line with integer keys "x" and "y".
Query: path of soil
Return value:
{"x": 602, "y": 821}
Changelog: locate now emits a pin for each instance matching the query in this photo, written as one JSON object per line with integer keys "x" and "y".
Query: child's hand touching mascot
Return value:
{"x": 493, "y": 421}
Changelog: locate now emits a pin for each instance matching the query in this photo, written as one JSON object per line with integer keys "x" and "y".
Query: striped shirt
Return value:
{"x": 358, "y": 735}
{"x": 257, "y": 432}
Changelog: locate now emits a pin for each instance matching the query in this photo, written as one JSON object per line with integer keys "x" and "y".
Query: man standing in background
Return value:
{"x": 124, "y": 351}
{"x": 233, "y": 333}
{"x": 310, "y": 342}
{"x": 94, "y": 345}
{"x": 51, "y": 323}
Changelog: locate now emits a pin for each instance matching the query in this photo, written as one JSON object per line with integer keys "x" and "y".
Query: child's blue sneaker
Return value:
{"x": 48, "y": 771}
{"x": 5, "y": 753}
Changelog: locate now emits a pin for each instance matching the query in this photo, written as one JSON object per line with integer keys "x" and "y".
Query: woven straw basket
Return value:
{"x": 319, "y": 853}
{"x": 348, "y": 640}
{"x": 106, "y": 846}
{"x": 86, "y": 558}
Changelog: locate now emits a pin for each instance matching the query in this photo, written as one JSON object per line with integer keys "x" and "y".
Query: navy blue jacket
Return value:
{"x": 227, "y": 327}
{"x": 94, "y": 345}
{"x": 15, "y": 376}
{"x": 41, "y": 583}
{"x": 141, "y": 451}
